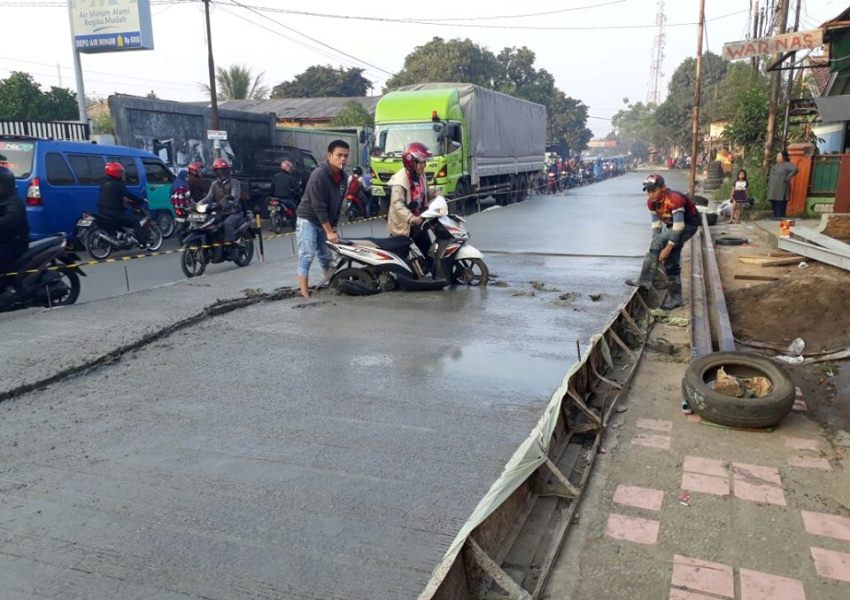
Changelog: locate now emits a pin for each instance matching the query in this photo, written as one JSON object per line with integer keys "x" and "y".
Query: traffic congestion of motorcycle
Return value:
{"x": 48, "y": 274}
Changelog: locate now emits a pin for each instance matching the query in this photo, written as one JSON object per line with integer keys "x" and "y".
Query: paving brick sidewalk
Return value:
{"x": 684, "y": 510}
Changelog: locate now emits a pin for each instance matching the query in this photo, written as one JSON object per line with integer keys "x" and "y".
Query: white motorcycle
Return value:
{"x": 389, "y": 263}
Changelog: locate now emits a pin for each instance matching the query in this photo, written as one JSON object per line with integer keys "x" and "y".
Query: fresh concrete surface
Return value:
{"x": 289, "y": 449}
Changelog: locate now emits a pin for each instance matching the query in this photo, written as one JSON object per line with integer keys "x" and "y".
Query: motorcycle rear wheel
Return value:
{"x": 470, "y": 271}
{"x": 276, "y": 223}
{"x": 71, "y": 279}
{"x": 193, "y": 261}
{"x": 97, "y": 245}
{"x": 351, "y": 274}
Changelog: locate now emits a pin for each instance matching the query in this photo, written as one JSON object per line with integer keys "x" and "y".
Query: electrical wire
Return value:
{"x": 434, "y": 20}
{"x": 312, "y": 39}
{"x": 467, "y": 25}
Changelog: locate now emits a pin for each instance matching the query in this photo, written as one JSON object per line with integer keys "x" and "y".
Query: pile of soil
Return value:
{"x": 812, "y": 308}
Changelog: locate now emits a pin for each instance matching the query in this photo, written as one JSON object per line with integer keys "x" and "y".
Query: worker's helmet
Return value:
{"x": 7, "y": 181}
{"x": 219, "y": 164}
{"x": 413, "y": 153}
{"x": 358, "y": 170}
{"x": 196, "y": 169}
{"x": 287, "y": 166}
{"x": 114, "y": 170}
{"x": 653, "y": 182}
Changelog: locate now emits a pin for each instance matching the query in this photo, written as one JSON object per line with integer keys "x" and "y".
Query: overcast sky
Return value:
{"x": 598, "y": 56}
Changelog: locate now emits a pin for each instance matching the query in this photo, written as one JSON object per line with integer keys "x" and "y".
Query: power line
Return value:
{"x": 312, "y": 39}
{"x": 468, "y": 25}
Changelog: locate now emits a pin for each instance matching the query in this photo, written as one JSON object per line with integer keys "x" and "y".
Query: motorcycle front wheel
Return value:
{"x": 154, "y": 237}
{"x": 193, "y": 261}
{"x": 97, "y": 245}
{"x": 243, "y": 252}
{"x": 470, "y": 271}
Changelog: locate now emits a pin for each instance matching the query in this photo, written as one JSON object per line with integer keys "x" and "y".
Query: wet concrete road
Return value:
{"x": 330, "y": 449}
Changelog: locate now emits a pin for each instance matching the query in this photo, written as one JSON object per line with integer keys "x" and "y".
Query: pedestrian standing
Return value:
{"x": 739, "y": 195}
{"x": 779, "y": 184}
{"x": 318, "y": 213}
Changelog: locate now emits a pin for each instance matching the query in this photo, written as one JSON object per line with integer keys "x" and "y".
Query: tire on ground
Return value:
{"x": 700, "y": 200}
{"x": 738, "y": 412}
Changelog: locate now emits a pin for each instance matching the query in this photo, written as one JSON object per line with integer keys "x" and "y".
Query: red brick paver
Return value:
{"x": 632, "y": 529}
{"x": 832, "y": 526}
{"x": 761, "y": 586}
{"x": 831, "y": 564}
{"x": 703, "y": 576}
{"x": 629, "y": 495}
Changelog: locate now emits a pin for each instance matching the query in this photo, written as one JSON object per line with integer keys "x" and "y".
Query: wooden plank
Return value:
{"x": 716, "y": 298}
{"x": 836, "y": 226}
{"x": 700, "y": 332}
{"x": 745, "y": 277}
{"x": 475, "y": 555}
{"x": 810, "y": 235}
{"x": 770, "y": 262}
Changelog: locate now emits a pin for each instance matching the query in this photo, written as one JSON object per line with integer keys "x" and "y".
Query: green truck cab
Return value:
{"x": 431, "y": 117}
{"x": 478, "y": 137}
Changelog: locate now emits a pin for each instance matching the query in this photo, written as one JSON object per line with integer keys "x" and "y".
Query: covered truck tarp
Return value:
{"x": 508, "y": 134}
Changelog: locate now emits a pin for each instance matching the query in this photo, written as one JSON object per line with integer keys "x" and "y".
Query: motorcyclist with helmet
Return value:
{"x": 198, "y": 186}
{"x": 675, "y": 220}
{"x": 14, "y": 229}
{"x": 226, "y": 191}
{"x": 286, "y": 186}
{"x": 115, "y": 198}
{"x": 409, "y": 197}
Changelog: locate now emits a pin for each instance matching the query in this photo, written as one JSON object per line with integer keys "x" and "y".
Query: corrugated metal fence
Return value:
{"x": 56, "y": 130}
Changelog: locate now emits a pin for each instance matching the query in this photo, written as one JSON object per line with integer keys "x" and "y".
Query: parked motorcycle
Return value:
{"x": 102, "y": 235}
{"x": 281, "y": 212}
{"x": 47, "y": 276}
{"x": 205, "y": 244}
{"x": 390, "y": 263}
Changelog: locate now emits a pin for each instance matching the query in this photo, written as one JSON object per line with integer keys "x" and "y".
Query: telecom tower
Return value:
{"x": 653, "y": 88}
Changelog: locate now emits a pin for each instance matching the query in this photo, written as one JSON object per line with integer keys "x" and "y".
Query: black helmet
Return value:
{"x": 653, "y": 182}
{"x": 358, "y": 170}
{"x": 7, "y": 181}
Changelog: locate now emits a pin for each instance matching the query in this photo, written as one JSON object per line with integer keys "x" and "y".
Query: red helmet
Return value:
{"x": 414, "y": 153}
{"x": 220, "y": 163}
{"x": 196, "y": 169}
{"x": 114, "y": 170}
{"x": 287, "y": 166}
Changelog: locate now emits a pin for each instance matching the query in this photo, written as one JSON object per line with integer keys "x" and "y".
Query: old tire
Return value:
{"x": 729, "y": 241}
{"x": 700, "y": 200}
{"x": 738, "y": 412}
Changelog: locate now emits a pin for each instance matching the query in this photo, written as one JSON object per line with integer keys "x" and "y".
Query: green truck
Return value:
{"x": 482, "y": 140}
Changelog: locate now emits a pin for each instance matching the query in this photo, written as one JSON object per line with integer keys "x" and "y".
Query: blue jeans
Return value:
{"x": 312, "y": 242}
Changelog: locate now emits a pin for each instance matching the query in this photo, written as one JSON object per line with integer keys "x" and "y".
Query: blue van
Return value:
{"x": 60, "y": 180}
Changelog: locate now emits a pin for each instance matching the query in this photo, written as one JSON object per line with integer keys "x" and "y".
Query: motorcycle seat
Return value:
{"x": 35, "y": 248}
{"x": 393, "y": 244}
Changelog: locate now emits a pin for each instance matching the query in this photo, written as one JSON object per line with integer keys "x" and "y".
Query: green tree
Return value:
{"x": 517, "y": 76}
{"x": 237, "y": 82}
{"x": 454, "y": 60}
{"x": 21, "y": 98}
{"x": 568, "y": 122}
{"x": 353, "y": 115}
{"x": 637, "y": 129}
{"x": 321, "y": 81}
{"x": 674, "y": 114}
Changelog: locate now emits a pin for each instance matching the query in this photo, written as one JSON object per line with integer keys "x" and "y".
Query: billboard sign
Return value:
{"x": 111, "y": 25}
{"x": 789, "y": 42}
{"x": 602, "y": 144}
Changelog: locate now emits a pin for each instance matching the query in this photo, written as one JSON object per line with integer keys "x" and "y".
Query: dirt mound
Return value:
{"x": 813, "y": 308}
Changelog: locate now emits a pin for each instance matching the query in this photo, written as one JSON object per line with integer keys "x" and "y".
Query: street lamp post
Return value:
{"x": 213, "y": 94}
{"x": 697, "y": 96}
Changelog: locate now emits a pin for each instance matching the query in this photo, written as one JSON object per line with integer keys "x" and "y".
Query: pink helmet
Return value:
{"x": 413, "y": 153}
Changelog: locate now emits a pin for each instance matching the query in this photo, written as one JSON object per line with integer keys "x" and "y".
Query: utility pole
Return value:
{"x": 213, "y": 93}
{"x": 781, "y": 25}
{"x": 78, "y": 71}
{"x": 755, "y": 60}
{"x": 697, "y": 97}
{"x": 790, "y": 89}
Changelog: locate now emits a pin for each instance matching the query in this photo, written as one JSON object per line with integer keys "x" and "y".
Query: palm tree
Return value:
{"x": 236, "y": 82}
